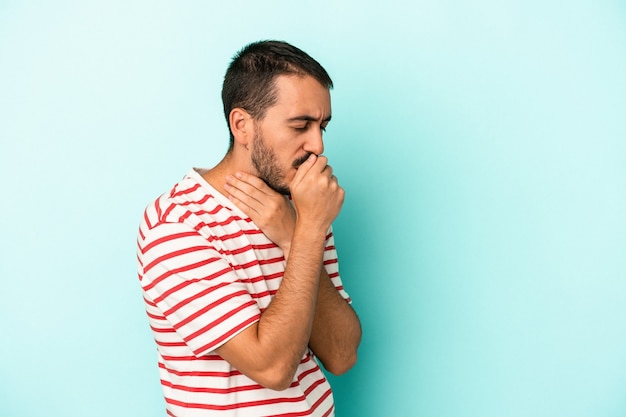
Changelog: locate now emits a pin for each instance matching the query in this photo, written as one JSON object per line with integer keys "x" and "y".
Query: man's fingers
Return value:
{"x": 304, "y": 168}
{"x": 321, "y": 163}
{"x": 245, "y": 186}
{"x": 252, "y": 195}
{"x": 252, "y": 183}
{"x": 252, "y": 187}
{"x": 242, "y": 198}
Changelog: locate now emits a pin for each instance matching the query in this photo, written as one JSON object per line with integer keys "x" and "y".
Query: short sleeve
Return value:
{"x": 331, "y": 264}
{"x": 195, "y": 288}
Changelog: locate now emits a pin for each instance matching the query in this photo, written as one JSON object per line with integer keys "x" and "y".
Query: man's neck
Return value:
{"x": 229, "y": 165}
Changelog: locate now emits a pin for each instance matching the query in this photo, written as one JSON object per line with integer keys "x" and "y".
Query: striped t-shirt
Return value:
{"x": 207, "y": 273}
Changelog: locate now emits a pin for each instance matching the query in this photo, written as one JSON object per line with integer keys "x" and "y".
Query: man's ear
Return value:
{"x": 241, "y": 126}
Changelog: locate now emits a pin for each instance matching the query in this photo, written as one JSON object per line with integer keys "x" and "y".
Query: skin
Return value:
{"x": 307, "y": 310}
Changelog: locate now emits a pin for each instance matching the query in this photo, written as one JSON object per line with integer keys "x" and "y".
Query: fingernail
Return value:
{"x": 229, "y": 178}
{"x": 239, "y": 175}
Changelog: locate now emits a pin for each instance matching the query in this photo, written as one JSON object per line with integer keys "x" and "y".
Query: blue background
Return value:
{"x": 482, "y": 145}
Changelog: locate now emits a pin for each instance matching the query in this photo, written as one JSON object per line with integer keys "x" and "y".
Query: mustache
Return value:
{"x": 296, "y": 164}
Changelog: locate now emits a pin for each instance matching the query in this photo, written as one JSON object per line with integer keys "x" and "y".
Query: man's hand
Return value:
{"x": 270, "y": 211}
{"x": 316, "y": 193}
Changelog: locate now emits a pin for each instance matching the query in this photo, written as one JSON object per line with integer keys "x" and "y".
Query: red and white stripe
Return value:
{"x": 207, "y": 273}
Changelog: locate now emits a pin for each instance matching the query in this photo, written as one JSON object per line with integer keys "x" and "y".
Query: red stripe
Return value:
{"x": 237, "y": 405}
{"x": 220, "y": 319}
{"x": 200, "y": 202}
{"x": 236, "y": 251}
{"x": 213, "y": 211}
{"x": 253, "y": 231}
{"x": 230, "y": 236}
{"x": 268, "y": 277}
{"x": 171, "y": 344}
{"x": 162, "y": 330}
{"x": 155, "y": 317}
{"x": 168, "y": 210}
{"x": 330, "y": 411}
{"x": 307, "y": 372}
{"x": 203, "y": 390}
{"x": 184, "y": 217}
{"x": 211, "y": 346}
{"x": 265, "y": 246}
{"x": 184, "y": 284}
{"x": 314, "y": 385}
{"x": 185, "y": 191}
{"x": 229, "y": 220}
{"x": 227, "y": 252}
{"x": 313, "y": 408}
{"x": 194, "y": 297}
{"x": 205, "y": 309}
{"x": 146, "y": 220}
{"x": 259, "y": 262}
{"x": 255, "y": 404}
{"x": 184, "y": 268}
{"x": 258, "y": 295}
{"x": 157, "y": 206}
{"x": 200, "y": 373}
{"x": 192, "y": 358}
{"x": 174, "y": 254}
{"x": 167, "y": 239}
{"x": 188, "y": 213}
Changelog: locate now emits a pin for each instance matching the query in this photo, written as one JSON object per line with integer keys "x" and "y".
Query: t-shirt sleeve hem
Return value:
{"x": 224, "y": 338}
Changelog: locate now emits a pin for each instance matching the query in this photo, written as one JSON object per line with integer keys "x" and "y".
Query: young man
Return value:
{"x": 240, "y": 281}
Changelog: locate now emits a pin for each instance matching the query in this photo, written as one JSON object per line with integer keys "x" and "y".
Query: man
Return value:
{"x": 238, "y": 264}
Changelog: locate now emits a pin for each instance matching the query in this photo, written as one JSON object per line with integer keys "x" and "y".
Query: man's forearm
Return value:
{"x": 336, "y": 331}
{"x": 270, "y": 350}
{"x": 287, "y": 322}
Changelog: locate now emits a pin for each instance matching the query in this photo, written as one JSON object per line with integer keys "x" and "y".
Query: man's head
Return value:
{"x": 250, "y": 80}
{"x": 277, "y": 104}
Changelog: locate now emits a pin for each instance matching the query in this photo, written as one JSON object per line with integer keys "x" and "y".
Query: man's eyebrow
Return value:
{"x": 307, "y": 118}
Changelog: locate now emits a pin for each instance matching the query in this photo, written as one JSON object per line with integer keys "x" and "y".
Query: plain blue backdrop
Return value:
{"x": 482, "y": 146}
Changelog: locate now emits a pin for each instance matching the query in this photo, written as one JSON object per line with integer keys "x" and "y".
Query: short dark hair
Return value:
{"x": 249, "y": 82}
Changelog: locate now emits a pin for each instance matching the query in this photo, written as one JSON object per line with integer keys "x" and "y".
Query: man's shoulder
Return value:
{"x": 182, "y": 200}
{"x": 192, "y": 203}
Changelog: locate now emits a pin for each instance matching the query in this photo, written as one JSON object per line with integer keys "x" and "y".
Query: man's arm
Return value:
{"x": 270, "y": 350}
{"x": 336, "y": 332}
{"x": 336, "y": 329}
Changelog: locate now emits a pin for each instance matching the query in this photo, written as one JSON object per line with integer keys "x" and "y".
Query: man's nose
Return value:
{"x": 315, "y": 142}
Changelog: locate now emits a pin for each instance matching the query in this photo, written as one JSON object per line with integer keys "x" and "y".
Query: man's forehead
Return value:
{"x": 294, "y": 86}
{"x": 302, "y": 98}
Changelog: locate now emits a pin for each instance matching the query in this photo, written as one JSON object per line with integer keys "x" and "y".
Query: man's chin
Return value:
{"x": 280, "y": 188}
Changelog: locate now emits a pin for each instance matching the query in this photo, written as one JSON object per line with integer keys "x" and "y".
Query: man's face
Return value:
{"x": 291, "y": 130}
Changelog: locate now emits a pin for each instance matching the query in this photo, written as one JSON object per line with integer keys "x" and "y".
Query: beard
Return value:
{"x": 266, "y": 164}
{"x": 268, "y": 169}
